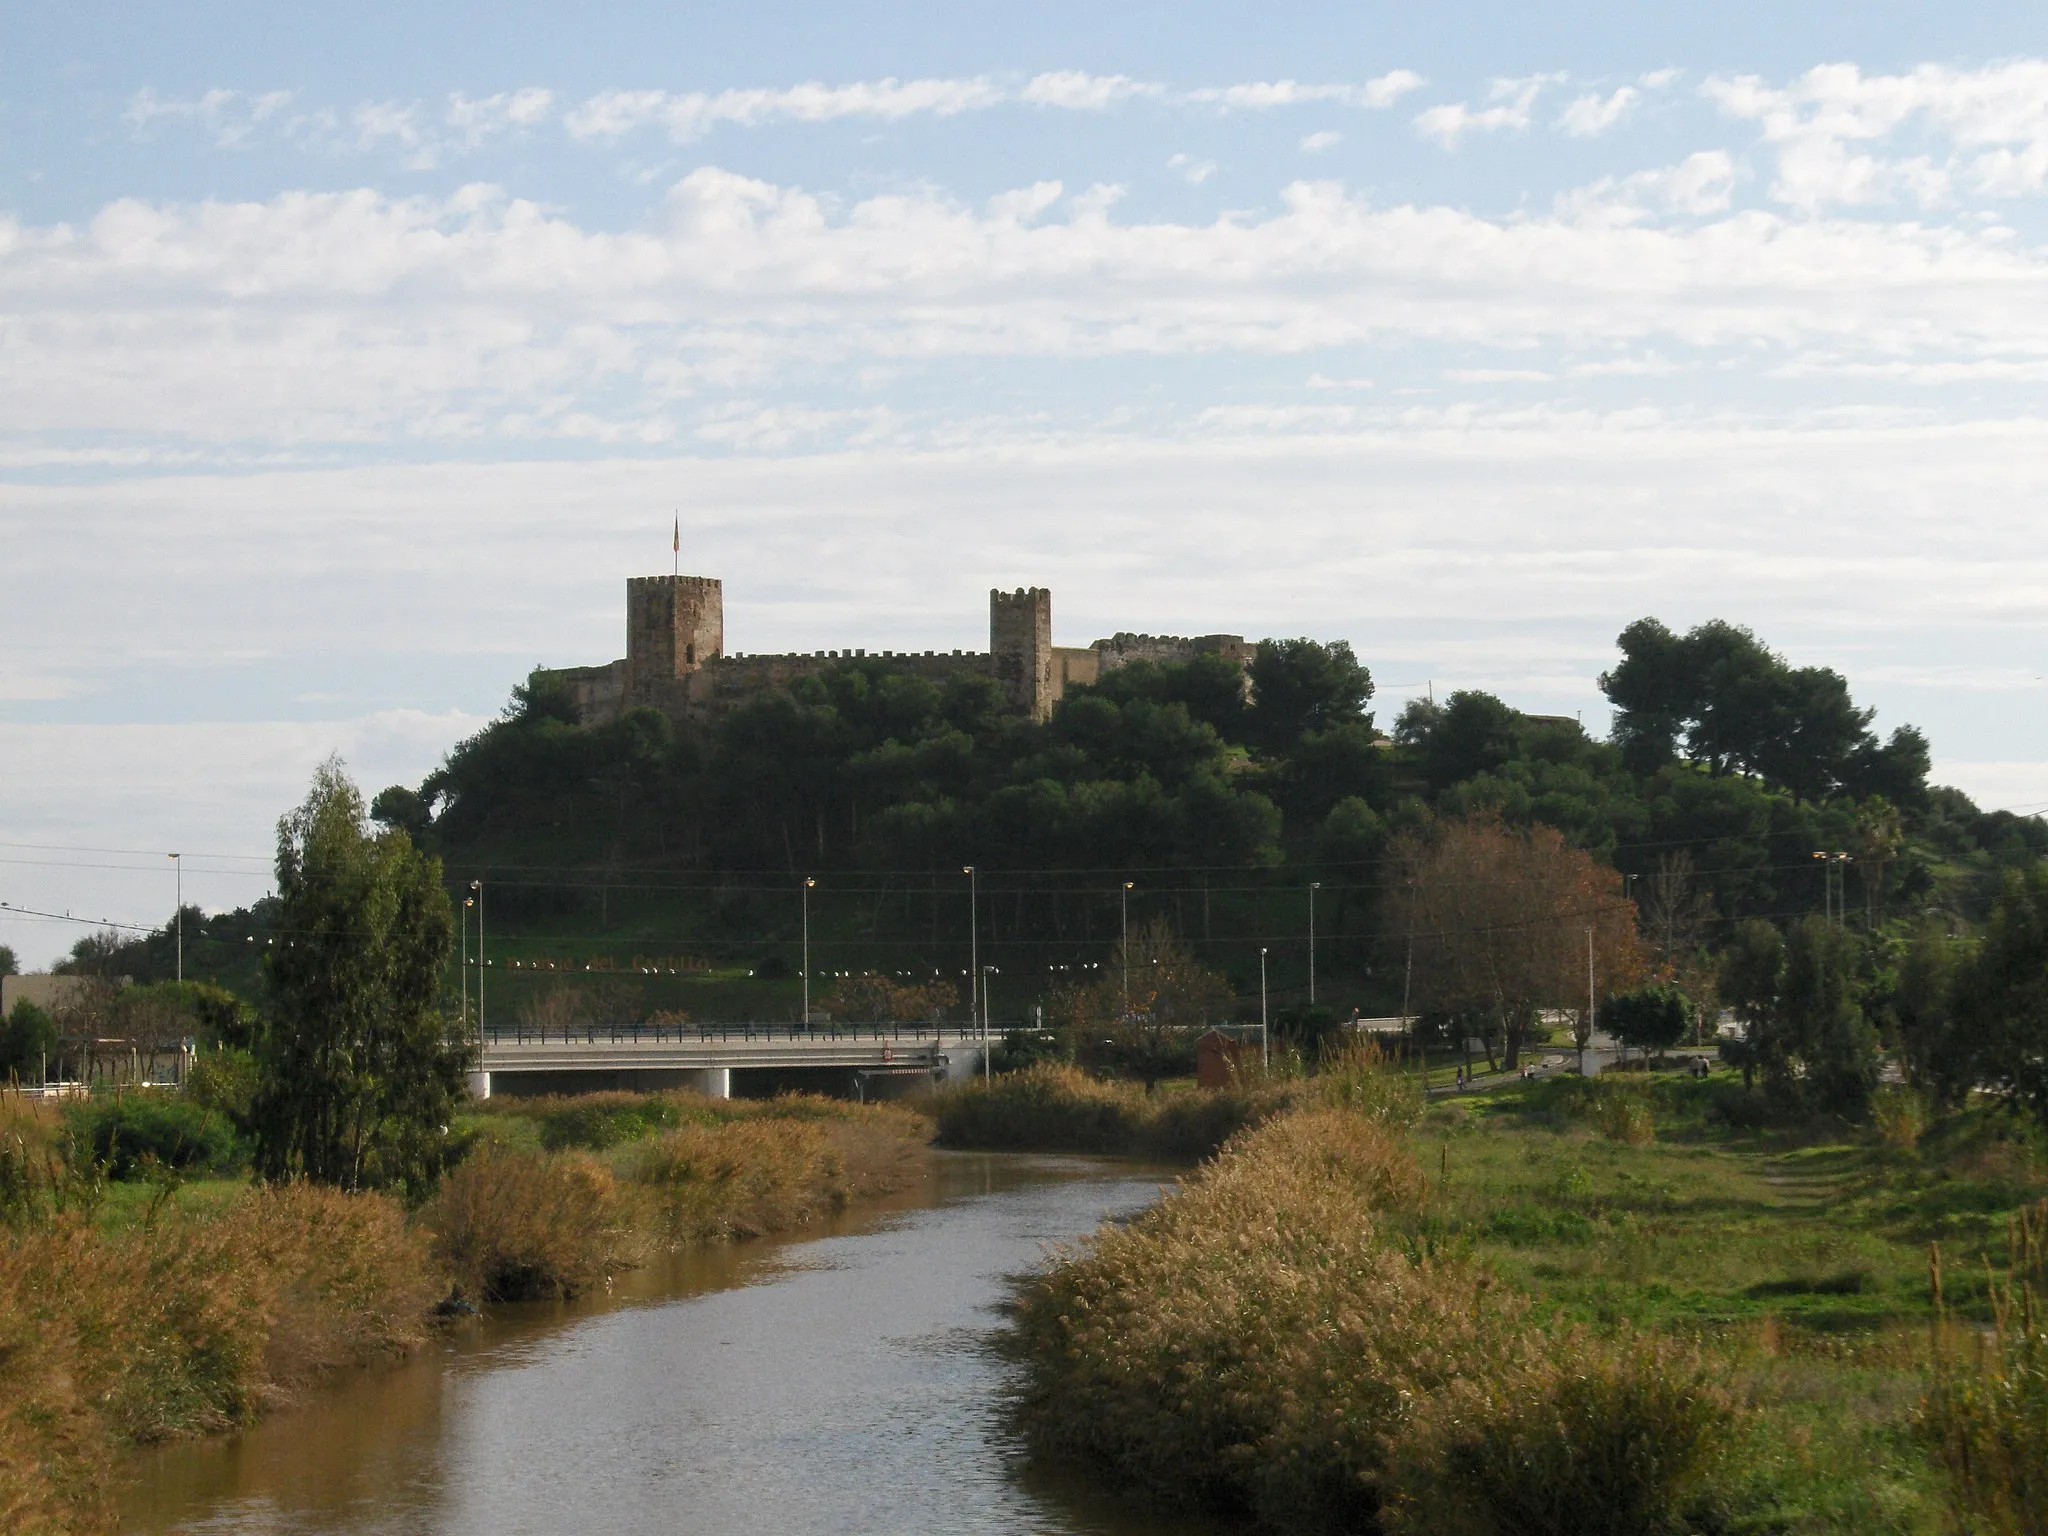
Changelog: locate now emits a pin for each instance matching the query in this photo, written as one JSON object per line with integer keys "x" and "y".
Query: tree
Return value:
{"x": 1649, "y": 1019}
{"x": 1302, "y": 685}
{"x": 2001, "y": 994}
{"x": 1148, "y": 1030}
{"x": 1942, "y": 1059}
{"x": 1470, "y": 733}
{"x": 359, "y": 1067}
{"x": 1807, "y": 1035}
{"x": 10, "y": 964}
{"x": 1821, "y": 1012}
{"x": 1750, "y": 968}
{"x": 1739, "y": 706}
{"x": 28, "y": 1038}
{"x": 884, "y": 1000}
{"x": 1500, "y": 921}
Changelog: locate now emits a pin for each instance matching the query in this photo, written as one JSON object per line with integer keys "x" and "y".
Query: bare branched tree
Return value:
{"x": 1502, "y": 919}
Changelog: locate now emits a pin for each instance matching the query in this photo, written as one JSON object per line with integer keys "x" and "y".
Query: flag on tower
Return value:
{"x": 678, "y": 546}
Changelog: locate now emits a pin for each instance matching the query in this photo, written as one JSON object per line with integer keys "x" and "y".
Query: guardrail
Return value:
{"x": 710, "y": 1034}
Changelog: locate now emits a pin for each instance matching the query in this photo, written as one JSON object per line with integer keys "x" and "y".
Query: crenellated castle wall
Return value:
{"x": 676, "y": 660}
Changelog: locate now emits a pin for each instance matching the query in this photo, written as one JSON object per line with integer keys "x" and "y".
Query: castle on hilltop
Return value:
{"x": 676, "y": 660}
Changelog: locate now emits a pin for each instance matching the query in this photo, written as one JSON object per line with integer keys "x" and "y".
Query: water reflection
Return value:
{"x": 838, "y": 1384}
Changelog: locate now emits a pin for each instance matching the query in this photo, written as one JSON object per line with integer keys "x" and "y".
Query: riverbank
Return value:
{"x": 1568, "y": 1307}
{"x": 154, "y": 1314}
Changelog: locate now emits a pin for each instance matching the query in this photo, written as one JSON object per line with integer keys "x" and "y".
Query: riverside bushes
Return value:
{"x": 1269, "y": 1340}
{"x": 516, "y": 1223}
{"x": 513, "y": 1225}
{"x": 183, "y": 1325}
{"x": 1056, "y": 1108}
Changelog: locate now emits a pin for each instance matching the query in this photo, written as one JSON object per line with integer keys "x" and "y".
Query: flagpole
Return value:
{"x": 676, "y": 574}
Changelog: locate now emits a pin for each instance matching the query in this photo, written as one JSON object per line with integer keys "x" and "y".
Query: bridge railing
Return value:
{"x": 720, "y": 1034}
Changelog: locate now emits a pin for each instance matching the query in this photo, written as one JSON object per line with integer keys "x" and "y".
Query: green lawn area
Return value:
{"x": 1713, "y": 1224}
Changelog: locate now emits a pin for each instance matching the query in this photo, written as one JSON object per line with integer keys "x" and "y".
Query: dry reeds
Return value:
{"x": 1986, "y": 1411}
{"x": 185, "y": 1325}
{"x": 523, "y": 1226}
{"x": 1055, "y": 1108}
{"x": 1268, "y": 1341}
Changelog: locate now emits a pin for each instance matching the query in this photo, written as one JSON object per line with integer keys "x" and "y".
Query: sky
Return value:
{"x": 352, "y": 357}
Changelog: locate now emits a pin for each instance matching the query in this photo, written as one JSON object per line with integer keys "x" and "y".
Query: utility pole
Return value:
{"x": 974, "y": 948}
{"x": 1313, "y": 887}
{"x": 988, "y": 1070}
{"x": 178, "y": 861}
{"x": 810, "y": 882}
{"x": 467, "y": 903}
{"x": 1265, "y": 1037}
{"x": 1127, "y": 947}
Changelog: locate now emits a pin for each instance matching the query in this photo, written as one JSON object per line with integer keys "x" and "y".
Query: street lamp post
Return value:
{"x": 988, "y": 1070}
{"x": 1265, "y": 1038}
{"x": 1126, "y": 898}
{"x": 1313, "y": 887}
{"x": 974, "y": 948}
{"x": 810, "y": 883}
{"x": 477, "y": 888}
{"x": 467, "y": 903}
{"x": 1592, "y": 1010}
{"x": 178, "y": 862}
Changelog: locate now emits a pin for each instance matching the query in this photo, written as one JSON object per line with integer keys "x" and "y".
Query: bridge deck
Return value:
{"x": 649, "y": 1047}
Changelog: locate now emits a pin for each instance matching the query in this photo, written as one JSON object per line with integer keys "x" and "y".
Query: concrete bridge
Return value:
{"x": 583, "y": 1058}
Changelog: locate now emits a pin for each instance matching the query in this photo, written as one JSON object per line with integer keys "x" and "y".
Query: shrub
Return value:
{"x": 742, "y": 1179}
{"x": 224, "y": 1081}
{"x": 1574, "y": 1436}
{"x": 120, "y": 1133}
{"x": 1042, "y": 1108}
{"x": 519, "y": 1226}
{"x": 1249, "y": 1343}
{"x": 1052, "y": 1108}
{"x": 185, "y": 1325}
{"x": 1360, "y": 1077}
{"x": 1900, "y": 1115}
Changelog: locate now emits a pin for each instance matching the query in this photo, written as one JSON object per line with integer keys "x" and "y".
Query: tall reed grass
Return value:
{"x": 182, "y": 1325}
{"x": 514, "y": 1222}
{"x": 1051, "y": 1107}
{"x": 1270, "y": 1340}
{"x": 1986, "y": 1411}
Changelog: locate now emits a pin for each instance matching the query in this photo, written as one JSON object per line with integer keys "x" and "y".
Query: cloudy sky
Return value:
{"x": 350, "y": 360}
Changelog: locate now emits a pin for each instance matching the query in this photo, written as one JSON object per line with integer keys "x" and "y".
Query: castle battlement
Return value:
{"x": 676, "y": 660}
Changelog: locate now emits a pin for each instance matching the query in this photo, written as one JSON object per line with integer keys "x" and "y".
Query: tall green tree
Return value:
{"x": 2001, "y": 995}
{"x": 1304, "y": 685}
{"x": 359, "y": 1067}
{"x": 1820, "y": 1006}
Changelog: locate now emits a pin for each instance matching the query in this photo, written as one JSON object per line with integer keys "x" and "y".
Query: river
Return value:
{"x": 837, "y": 1382}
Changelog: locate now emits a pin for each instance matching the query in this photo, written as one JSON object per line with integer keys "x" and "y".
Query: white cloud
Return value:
{"x": 691, "y": 115}
{"x": 1190, "y": 169}
{"x": 333, "y": 318}
{"x": 1591, "y": 115}
{"x": 1509, "y": 104}
{"x": 1700, "y": 185}
{"x": 1316, "y": 143}
{"x": 481, "y": 119}
{"x": 1267, "y": 95}
{"x": 1076, "y": 91}
{"x": 1833, "y": 128}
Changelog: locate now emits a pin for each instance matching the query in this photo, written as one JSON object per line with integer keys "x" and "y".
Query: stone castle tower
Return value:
{"x": 674, "y": 625}
{"x": 1020, "y": 649}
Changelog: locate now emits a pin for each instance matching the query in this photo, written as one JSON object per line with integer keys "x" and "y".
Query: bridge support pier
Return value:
{"x": 714, "y": 1082}
{"x": 479, "y": 1085}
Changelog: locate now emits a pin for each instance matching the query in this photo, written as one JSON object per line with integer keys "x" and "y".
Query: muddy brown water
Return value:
{"x": 839, "y": 1382}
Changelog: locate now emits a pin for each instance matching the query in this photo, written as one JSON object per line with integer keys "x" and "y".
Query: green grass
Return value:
{"x": 1712, "y": 1225}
